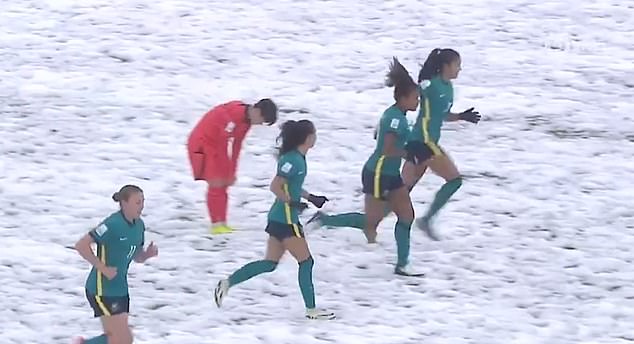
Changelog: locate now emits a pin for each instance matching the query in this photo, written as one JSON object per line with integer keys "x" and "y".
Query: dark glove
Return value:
{"x": 300, "y": 206}
{"x": 470, "y": 116}
{"x": 318, "y": 201}
{"x": 418, "y": 152}
{"x": 412, "y": 157}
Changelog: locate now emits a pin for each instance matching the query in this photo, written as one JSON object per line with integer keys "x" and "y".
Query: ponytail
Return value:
{"x": 293, "y": 134}
{"x": 399, "y": 78}
{"x": 434, "y": 62}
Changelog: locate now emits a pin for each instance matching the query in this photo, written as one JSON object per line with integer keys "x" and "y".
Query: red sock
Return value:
{"x": 217, "y": 200}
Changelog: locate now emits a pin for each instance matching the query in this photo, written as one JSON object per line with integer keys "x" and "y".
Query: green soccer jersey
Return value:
{"x": 117, "y": 243}
{"x": 292, "y": 166}
{"x": 394, "y": 121}
{"x": 436, "y": 99}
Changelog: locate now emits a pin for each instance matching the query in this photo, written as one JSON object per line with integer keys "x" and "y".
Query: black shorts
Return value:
{"x": 422, "y": 151}
{"x": 108, "y": 305}
{"x": 281, "y": 231}
{"x": 379, "y": 187}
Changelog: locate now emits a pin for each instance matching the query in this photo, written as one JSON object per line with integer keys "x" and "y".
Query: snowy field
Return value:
{"x": 537, "y": 244}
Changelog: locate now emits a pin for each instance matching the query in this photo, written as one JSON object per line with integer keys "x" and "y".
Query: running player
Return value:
{"x": 381, "y": 176}
{"x": 119, "y": 239}
{"x": 441, "y": 66}
{"x": 284, "y": 229}
{"x": 214, "y": 148}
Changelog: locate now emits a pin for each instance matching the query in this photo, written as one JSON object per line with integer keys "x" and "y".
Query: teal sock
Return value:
{"x": 401, "y": 234}
{"x": 354, "y": 220}
{"x": 306, "y": 282}
{"x": 103, "y": 339}
{"x": 251, "y": 270}
{"x": 442, "y": 196}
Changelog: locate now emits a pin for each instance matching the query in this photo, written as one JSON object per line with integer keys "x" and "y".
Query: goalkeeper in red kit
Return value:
{"x": 214, "y": 148}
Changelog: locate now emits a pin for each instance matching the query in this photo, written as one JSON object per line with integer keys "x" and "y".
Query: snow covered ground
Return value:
{"x": 538, "y": 242}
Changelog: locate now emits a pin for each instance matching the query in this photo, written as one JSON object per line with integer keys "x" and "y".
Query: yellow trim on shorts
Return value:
{"x": 102, "y": 306}
{"x": 287, "y": 212}
{"x": 377, "y": 177}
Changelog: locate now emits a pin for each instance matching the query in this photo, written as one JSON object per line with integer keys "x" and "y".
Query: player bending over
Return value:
{"x": 214, "y": 148}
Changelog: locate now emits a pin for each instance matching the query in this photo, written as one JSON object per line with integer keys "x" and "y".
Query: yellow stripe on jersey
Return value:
{"x": 287, "y": 211}
{"x": 102, "y": 306}
{"x": 101, "y": 253}
{"x": 377, "y": 177}
{"x": 425, "y": 127}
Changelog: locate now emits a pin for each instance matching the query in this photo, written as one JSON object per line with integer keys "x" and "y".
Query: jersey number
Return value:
{"x": 132, "y": 251}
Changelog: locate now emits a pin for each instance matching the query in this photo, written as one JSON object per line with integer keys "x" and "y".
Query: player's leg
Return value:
{"x": 113, "y": 313}
{"x": 374, "y": 213}
{"x": 217, "y": 195}
{"x": 298, "y": 247}
{"x": 117, "y": 328}
{"x": 217, "y": 205}
{"x": 412, "y": 173}
{"x": 274, "y": 251}
{"x": 400, "y": 201}
{"x": 375, "y": 190}
{"x": 444, "y": 167}
{"x": 352, "y": 220}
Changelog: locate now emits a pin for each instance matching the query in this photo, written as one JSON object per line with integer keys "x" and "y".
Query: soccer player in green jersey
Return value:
{"x": 284, "y": 229}
{"x": 381, "y": 176}
{"x": 436, "y": 91}
{"x": 120, "y": 239}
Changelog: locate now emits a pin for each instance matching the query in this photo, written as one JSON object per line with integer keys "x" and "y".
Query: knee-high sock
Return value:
{"x": 442, "y": 197}
{"x": 217, "y": 200}
{"x": 103, "y": 339}
{"x": 305, "y": 276}
{"x": 251, "y": 270}
{"x": 354, "y": 220}
{"x": 402, "y": 234}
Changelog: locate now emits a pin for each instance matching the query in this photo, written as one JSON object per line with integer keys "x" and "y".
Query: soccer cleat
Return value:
{"x": 424, "y": 225}
{"x": 221, "y": 229}
{"x": 221, "y": 291}
{"x": 319, "y": 314}
{"x": 78, "y": 340}
{"x": 407, "y": 271}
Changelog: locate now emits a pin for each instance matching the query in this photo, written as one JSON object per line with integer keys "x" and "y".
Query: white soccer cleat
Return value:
{"x": 319, "y": 314}
{"x": 221, "y": 291}
{"x": 78, "y": 340}
{"x": 407, "y": 271}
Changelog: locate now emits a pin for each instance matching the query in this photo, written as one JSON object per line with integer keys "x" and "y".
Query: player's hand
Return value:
{"x": 318, "y": 201}
{"x": 411, "y": 156}
{"x": 109, "y": 271}
{"x": 151, "y": 251}
{"x": 470, "y": 115}
{"x": 231, "y": 181}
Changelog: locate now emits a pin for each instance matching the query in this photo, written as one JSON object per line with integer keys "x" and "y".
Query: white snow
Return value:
{"x": 537, "y": 244}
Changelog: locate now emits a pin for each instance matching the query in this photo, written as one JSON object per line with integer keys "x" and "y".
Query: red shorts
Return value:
{"x": 205, "y": 163}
